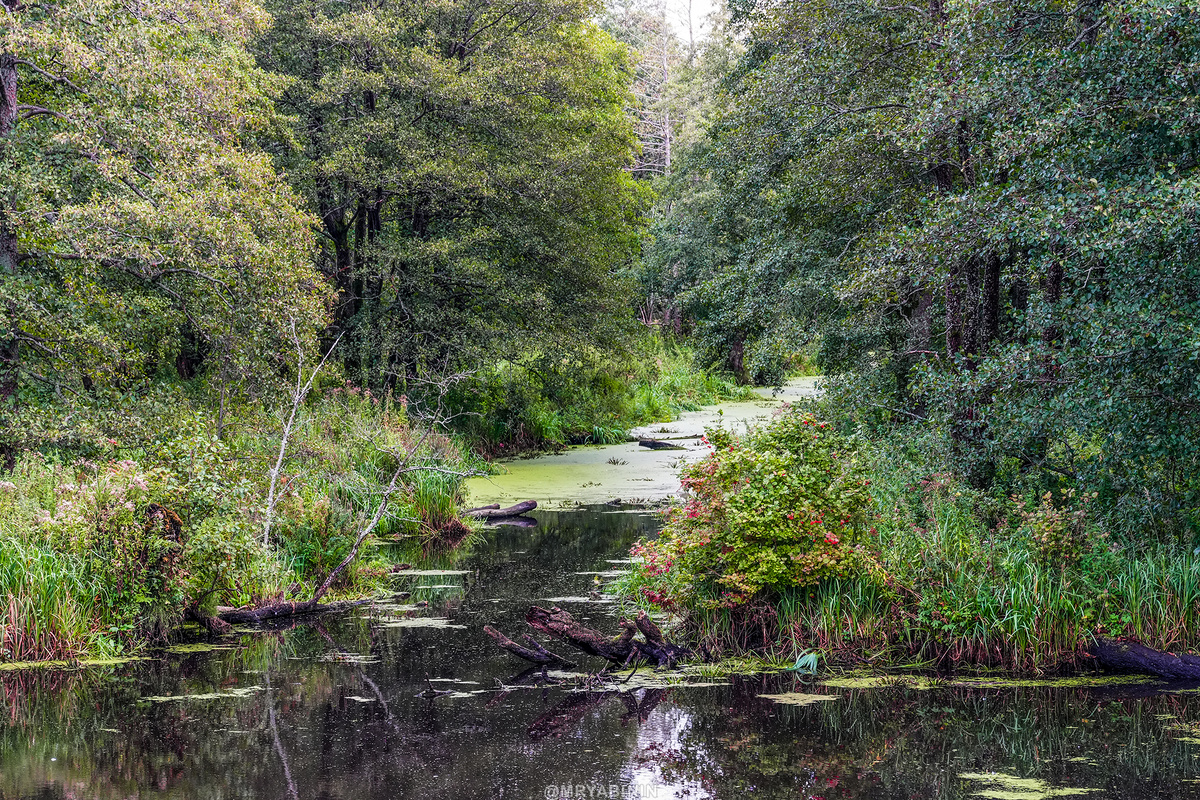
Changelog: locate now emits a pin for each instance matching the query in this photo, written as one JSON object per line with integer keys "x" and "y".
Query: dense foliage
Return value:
{"x": 795, "y": 538}
{"x": 467, "y": 163}
{"x": 782, "y": 507}
{"x": 985, "y": 215}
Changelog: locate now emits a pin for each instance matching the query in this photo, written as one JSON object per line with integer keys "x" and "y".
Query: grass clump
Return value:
{"x": 797, "y": 537}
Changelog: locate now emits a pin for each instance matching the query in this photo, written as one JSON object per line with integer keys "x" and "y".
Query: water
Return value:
{"x": 329, "y": 707}
{"x": 626, "y": 472}
{"x": 339, "y": 706}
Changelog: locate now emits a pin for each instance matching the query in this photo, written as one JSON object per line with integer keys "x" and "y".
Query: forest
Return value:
{"x": 277, "y": 278}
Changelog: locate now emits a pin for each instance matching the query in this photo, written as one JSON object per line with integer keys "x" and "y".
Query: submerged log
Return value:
{"x": 1127, "y": 656}
{"x": 655, "y": 444}
{"x": 515, "y": 522}
{"x": 624, "y": 648}
{"x": 561, "y": 625}
{"x": 494, "y": 510}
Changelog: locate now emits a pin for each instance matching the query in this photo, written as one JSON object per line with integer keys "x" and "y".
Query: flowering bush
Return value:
{"x": 784, "y": 506}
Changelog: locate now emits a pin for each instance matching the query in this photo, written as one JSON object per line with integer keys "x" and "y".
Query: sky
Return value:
{"x": 677, "y": 14}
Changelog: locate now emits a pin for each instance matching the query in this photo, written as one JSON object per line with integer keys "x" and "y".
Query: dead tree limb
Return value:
{"x": 623, "y": 649}
{"x": 655, "y": 444}
{"x": 488, "y": 512}
{"x": 534, "y": 653}
{"x": 1127, "y": 656}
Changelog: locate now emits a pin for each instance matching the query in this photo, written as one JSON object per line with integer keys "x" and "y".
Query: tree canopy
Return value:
{"x": 985, "y": 214}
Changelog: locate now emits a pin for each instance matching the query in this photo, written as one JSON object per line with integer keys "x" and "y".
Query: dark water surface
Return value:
{"x": 329, "y": 708}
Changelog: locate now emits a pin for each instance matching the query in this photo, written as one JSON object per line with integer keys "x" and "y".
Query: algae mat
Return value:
{"x": 595, "y": 474}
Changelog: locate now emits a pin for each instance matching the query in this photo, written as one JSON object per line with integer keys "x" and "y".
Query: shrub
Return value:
{"x": 785, "y": 506}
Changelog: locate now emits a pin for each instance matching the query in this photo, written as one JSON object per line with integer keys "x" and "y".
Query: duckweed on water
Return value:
{"x": 1011, "y": 787}
{"x": 925, "y": 683}
{"x": 13, "y": 666}
{"x": 798, "y": 698}
{"x": 244, "y": 691}
{"x": 420, "y": 622}
{"x": 197, "y": 647}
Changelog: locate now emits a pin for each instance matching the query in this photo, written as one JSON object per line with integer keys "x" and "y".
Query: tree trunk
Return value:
{"x": 1135, "y": 657}
{"x": 9, "y": 257}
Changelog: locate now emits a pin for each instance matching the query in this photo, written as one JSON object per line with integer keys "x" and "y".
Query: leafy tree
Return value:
{"x": 467, "y": 162}
{"x": 136, "y": 211}
{"x": 985, "y": 213}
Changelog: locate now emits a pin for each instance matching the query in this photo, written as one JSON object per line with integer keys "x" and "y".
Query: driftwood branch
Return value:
{"x": 624, "y": 648}
{"x": 534, "y": 653}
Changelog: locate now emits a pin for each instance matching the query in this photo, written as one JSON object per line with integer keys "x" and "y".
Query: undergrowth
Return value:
{"x": 547, "y": 401}
{"x": 107, "y": 542}
{"x": 933, "y": 572}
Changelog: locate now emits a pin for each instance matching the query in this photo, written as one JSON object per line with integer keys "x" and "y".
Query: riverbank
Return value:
{"x": 796, "y": 538}
{"x": 107, "y": 546}
{"x": 341, "y": 706}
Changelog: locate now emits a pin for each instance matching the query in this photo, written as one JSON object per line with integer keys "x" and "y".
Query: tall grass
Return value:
{"x": 47, "y": 603}
{"x": 85, "y": 570}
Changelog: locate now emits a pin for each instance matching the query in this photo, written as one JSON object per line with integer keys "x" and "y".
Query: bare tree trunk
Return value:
{"x": 9, "y": 257}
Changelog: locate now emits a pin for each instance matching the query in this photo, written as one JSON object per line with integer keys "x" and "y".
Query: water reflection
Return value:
{"x": 353, "y": 707}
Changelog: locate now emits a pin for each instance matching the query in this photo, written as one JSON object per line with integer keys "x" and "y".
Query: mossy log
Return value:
{"x": 284, "y": 609}
{"x": 1130, "y": 656}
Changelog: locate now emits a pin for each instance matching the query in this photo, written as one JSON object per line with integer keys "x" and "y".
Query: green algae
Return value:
{"x": 595, "y": 474}
{"x": 82, "y": 663}
{"x": 420, "y": 622}
{"x": 924, "y": 683}
{"x": 245, "y": 691}
{"x": 197, "y": 647}
{"x": 441, "y": 573}
{"x": 798, "y": 698}
{"x": 1011, "y": 787}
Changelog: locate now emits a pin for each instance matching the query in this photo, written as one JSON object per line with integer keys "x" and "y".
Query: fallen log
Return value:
{"x": 534, "y": 653}
{"x": 655, "y": 444}
{"x": 1129, "y": 656}
{"x": 284, "y": 609}
{"x": 487, "y": 512}
{"x": 621, "y": 649}
{"x": 211, "y": 623}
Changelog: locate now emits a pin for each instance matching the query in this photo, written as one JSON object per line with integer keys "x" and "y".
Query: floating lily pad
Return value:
{"x": 798, "y": 698}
